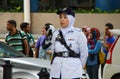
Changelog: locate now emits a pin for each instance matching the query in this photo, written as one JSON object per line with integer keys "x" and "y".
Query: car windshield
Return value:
{"x": 8, "y": 52}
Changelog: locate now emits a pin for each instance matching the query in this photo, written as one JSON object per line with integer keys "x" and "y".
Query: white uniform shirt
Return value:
{"x": 69, "y": 67}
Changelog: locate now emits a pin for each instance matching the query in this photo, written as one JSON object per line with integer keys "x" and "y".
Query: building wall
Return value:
{"x": 4, "y": 17}
{"x": 39, "y": 19}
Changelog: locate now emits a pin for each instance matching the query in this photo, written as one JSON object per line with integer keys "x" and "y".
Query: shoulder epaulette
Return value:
{"x": 77, "y": 29}
{"x": 56, "y": 30}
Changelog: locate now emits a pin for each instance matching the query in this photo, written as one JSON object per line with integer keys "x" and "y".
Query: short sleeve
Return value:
{"x": 24, "y": 36}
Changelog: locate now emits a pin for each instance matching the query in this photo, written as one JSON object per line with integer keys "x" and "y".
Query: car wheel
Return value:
{"x": 117, "y": 76}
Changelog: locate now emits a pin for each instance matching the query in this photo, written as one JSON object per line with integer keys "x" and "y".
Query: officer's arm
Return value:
{"x": 83, "y": 48}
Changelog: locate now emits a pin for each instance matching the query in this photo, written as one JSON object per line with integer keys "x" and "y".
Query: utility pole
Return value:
{"x": 27, "y": 11}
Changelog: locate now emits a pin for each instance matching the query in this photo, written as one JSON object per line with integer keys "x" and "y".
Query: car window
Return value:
{"x": 8, "y": 52}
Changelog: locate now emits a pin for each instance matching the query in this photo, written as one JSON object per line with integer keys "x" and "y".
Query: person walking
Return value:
{"x": 69, "y": 48}
{"x": 31, "y": 42}
{"x": 43, "y": 45}
{"x": 16, "y": 39}
{"x": 94, "y": 46}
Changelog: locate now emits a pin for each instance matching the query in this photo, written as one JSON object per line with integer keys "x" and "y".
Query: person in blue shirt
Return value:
{"x": 107, "y": 42}
{"x": 94, "y": 46}
{"x": 108, "y": 38}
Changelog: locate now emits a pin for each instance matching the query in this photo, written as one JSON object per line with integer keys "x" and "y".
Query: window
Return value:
{"x": 8, "y": 52}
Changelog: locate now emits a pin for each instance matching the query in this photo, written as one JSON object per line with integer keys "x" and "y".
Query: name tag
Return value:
{"x": 70, "y": 39}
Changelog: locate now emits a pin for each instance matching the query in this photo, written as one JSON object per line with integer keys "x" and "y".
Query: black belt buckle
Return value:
{"x": 65, "y": 54}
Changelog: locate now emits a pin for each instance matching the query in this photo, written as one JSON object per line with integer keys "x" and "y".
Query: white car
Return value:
{"x": 23, "y": 67}
{"x": 112, "y": 66}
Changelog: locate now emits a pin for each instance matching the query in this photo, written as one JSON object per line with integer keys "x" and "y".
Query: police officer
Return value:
{"x": 69, "y": 48}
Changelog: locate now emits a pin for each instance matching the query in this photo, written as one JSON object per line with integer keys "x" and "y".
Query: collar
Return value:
{"x": 67, "y": 30}
{"x": 15, "y": 33}
{"x": 70, "y": 31}
{"x": 110, "y": 36}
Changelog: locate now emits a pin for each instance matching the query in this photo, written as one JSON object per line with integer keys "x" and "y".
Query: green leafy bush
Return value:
{"x": 97, "y": 10}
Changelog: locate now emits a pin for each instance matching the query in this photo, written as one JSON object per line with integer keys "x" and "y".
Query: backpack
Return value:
{"x": 30, "y": 48}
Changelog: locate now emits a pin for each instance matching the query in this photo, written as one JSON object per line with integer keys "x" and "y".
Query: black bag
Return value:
{"x": 30, "y": 49}
{"x": 30, "y": 52}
